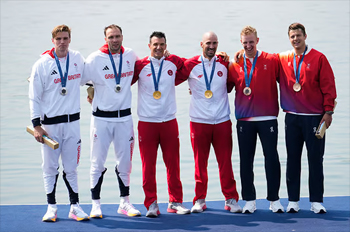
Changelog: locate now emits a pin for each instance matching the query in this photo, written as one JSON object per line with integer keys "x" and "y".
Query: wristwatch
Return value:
{"x": 330, "y": 112}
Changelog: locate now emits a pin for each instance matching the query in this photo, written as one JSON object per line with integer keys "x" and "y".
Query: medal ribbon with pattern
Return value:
{"x": 208, "y": 93}
{"x": 247, "y": 89}
{"x": 117, "y": 75}
{"x": 156, "y": 81}
{"x": 63, "y": 78}
{"x": 297, "y": 71}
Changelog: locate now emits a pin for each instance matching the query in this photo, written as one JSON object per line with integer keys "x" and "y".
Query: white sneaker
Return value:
{"x": 177, "y": 207}
{"x": 51, "y": 213}
{"x": 249, "y": 207}
{"x": 318, "y": 207}
{"x": 293, "y": 207}
{"x": 128, "y": 209}
{"x": 199, "y": 206}
{"x": 232, "y": 206}
{"x": 153, "y": 210}
{"x": 96, "y": 211}
{"x": 276, "y": 206}
{"x": 77, "y": 213}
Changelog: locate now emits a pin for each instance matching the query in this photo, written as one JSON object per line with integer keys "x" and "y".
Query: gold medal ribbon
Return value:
{"x": 156, "y": 81}
{"x": 207, "y": 83}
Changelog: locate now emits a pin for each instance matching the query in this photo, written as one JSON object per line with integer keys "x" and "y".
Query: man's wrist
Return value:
{"x": 36, "y": 122}
{"x": 330, "y": 112}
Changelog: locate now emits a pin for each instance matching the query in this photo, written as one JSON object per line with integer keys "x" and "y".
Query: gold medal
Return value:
{"x": 297, "y": 87}
{"x": 208, "y": 94}
{"x": 157, "y": 94}
{"x": 247, "y": 91}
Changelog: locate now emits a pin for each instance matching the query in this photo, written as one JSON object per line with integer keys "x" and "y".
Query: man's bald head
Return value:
{"x": 208, "y": 35}
{"x": 209, "y": 44}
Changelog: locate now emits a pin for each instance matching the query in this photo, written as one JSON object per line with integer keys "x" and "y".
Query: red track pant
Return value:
{"x": 165, "y": 134}
{"x": 220, "y": 135}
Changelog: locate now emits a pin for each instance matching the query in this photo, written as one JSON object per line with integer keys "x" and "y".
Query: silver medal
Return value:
{"x": 63, "y": 91}
{"x": 117, "y": 88}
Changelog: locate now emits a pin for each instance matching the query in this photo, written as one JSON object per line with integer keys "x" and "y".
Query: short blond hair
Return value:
{"x": 60, "y": 28}
{"x": 248, "y": 30}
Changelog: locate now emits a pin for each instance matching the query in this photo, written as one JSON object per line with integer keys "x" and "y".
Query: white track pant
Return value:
{"x": 68, "y": 136}
{"x": 104, "y": 132}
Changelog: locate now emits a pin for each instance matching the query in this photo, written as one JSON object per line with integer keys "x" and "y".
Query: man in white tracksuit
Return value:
{"x": 111, "y": 69}
{"x": 54, "y": 99}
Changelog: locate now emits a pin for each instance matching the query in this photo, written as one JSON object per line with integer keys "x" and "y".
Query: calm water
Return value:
{"x": 26, "y": 32}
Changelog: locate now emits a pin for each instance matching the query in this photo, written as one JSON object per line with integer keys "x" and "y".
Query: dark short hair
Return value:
{"x": 296, "y": 26}
{"x": 60, "y": 28}
{"x": 113, "y": 26}
{"x": 157, "y": 34}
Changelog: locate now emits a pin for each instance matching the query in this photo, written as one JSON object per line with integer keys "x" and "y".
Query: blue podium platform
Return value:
{"x": 27, "y": 218}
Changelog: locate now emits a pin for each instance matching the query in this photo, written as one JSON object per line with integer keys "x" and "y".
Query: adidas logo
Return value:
{"x": 105, "y": 68}
{"x": 131, "y": 139}
{"x": 53, "y": 72}
{"x": 79, "y": 141}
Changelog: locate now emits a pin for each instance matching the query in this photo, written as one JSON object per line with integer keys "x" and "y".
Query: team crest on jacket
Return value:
{"x": 149, "y": 74}
{"x": 128, "y": 64}
{"x": 170, "y": 72}
{"x": 220, "y": 74}
{"x": 200, "y": 76}
{"x": 76, "y": 66}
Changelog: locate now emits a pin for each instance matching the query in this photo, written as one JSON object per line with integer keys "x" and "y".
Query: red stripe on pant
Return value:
{"x": 220, "y": 136}
{"x": 165, "y": 134}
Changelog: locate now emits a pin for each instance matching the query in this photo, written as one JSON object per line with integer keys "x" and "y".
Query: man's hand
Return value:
{"x": 38, "y": 134}
{"x": 224, "y": 56}
{"x": 89, "y": 100}
{"x": 238, "y": 55}
{"x": 166, "y": 53}
{"x": 327, "y": 118}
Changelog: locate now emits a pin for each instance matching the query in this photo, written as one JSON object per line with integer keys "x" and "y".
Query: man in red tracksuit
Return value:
{"x": 156, "y": 76}
{"x": 308, "y": 92}
{"x": 210, "y": 122}
{"x": 256, "y": 109}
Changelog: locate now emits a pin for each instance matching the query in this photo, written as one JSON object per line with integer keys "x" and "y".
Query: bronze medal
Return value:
{"x": 247, "y": 91}
{"x": 157, "y": 94}
{"x": 208, "y": 94}
{"x": 297, "y": 87}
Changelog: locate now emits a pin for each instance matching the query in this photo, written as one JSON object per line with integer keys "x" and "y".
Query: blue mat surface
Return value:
{"x": 23, "y": 218}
